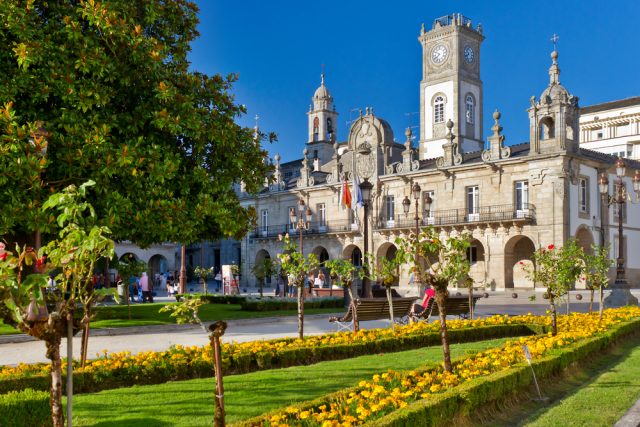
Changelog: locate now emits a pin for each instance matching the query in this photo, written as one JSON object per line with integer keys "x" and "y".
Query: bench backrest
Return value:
{"x": 459, "y": 305}
{"x": 378, "y": 308}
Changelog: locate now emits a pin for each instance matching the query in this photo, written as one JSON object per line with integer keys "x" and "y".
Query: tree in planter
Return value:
{"x": 439, "y": 263}
{"x": 557, "y": 269}
{"x": 297, "y": 266}
{"x": 203, "y": 274}
{"x": 342, "y": 274}
{"x": 596, "y": 273}
{"x": 75, "y": 251}
{"x": 264, "y": 270}
{"x": 385, "y": 272}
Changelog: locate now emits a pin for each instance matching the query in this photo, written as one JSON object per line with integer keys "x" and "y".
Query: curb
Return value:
{"x": 631, "y": 418}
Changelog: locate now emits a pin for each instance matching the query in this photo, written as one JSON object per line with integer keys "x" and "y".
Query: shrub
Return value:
{"x": 214, "y": 299}
{"x": 275, "y": 304}
{"x": 26, "y": 408}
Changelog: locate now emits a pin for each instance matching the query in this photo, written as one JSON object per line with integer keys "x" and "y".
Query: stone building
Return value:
{"x": 612, "y": 127}
{"x": 512, "y": 199}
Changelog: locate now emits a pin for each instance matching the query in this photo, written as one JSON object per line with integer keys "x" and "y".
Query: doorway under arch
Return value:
{"x": 388, "y": 250}
{"x": 518, "y": 258}
{"x": 157, "y": 265}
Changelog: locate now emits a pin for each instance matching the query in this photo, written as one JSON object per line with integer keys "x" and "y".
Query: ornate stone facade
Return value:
{"x": 512, "y": 199}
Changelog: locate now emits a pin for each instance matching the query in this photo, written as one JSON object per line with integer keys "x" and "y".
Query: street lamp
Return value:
{"x": 620, "y": 294}
{"x": 365, "y": 167}
{"x": 365, "y": 190}
{"x": 301, "y": 220}
{"x": 416, "y": 191}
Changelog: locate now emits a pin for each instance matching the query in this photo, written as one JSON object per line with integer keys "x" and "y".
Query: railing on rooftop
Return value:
{"x": 450, "y": 19}
{"x": 315, "y": 227}
{"x": 448, "y": 217}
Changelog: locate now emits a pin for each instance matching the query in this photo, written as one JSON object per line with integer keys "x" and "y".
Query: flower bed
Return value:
{"x": 179, "y": 363}
{"x": 432, "y": 396}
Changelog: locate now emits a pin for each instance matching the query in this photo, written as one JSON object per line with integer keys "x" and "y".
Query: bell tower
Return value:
{"x": 323, "y": 122}
{"x": 451, "y": 88}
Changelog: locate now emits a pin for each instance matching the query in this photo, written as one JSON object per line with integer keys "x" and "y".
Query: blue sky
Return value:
{"x": 372, "y": 57}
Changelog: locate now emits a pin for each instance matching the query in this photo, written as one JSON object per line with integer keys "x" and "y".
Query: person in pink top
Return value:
{"x": 428, "y": 294}
{"x": 146, "y": 288}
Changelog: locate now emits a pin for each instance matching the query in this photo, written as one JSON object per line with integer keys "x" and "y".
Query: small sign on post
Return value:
{"x": 527, "y": 355}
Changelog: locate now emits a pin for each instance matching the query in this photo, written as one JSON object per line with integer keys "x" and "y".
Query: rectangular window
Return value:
{"x": 522, "y": 195}
{"x": 264, "y": 224}
{"x": 473, "y": 203}
{"x": 390, "y": 208}
{"x": 472, "y": 254}
{"x": 599, "y": 135}
{"x": 583, "y": 195}
{"x": 322, "y": 214}
{"x": 290, "y": 210}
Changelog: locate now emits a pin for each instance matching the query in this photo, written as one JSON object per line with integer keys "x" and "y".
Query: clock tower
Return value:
{"x": 451, "y": 88}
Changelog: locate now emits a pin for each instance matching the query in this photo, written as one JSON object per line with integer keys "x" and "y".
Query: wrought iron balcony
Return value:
{"x": 450, "y": 217}
{"x": 315, "y": 227}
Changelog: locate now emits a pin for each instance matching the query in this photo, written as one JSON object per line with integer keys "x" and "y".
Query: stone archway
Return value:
{"x": 354, "y": 254}
{"x": 261, "y": 256}
{"x": 128, "y": 256}
{"x": 518, "y": 257}
{"x": 388, "y": 250}
{"x": 584, "y": 237}
{"x": 477, "y": 261}
{"x": 323, "y": 255}
{"x": 157, "y": 265}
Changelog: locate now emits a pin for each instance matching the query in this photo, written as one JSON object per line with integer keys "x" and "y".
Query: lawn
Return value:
{"x": 190, "y": 403}
{"x": 115, "y": 316}
{"x": 595, "y": 395}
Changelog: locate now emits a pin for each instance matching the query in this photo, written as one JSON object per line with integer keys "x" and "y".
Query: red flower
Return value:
{"x": 40, "y": 262}
{"x": 3, "y": 256}
{"x": 550, "y": 247}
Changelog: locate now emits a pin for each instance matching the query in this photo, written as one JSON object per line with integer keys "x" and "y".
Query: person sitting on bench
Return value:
{"x": 428, "y": 294}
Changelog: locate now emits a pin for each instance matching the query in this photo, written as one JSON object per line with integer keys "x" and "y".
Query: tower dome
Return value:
{"x": 322, "y": 99}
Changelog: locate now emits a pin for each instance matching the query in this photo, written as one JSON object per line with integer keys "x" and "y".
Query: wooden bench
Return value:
{"x": 328, "y": 292}
{"x": 374, "y": 309}
{"x": 454, "y": 306}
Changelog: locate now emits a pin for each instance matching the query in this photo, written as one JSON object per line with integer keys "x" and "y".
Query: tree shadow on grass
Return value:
{"x": 134, "y": 422}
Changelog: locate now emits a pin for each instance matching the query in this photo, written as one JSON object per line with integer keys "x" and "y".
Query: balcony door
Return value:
{"x": 522, "y": 198}
{"x": 473, "y": 203}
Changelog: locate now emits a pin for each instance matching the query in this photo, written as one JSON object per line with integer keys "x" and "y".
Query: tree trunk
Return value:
{"x": 440, "y": 299}
{"x": 85, "y": 337}
{"x": 261, "y": 282}
{"x": 126, "y": 294}
{"x": 390, "y": 308}
{"x": 591, "y": 291}
{"x": 53, "y": 354}
{"x": 352, "y": 302}
{"x": 471, "y": 302}
{"x": 301, "y": 291}
{"x": 554, "y": 323}
{"x": 204, "y": 285}
{"x": 601, "y": 307}
{"x": 69, "y": 367}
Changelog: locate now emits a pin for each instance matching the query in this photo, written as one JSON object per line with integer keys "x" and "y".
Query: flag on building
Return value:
{"x": 345, "y": 197}
{"x": 357, "y": 193}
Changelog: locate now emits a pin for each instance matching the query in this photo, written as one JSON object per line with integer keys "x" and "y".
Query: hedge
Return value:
{"x": 273, "y": 304}
{"x": 462, "y": 400}
{"x": 26, "y": 408}
{"x": 214, "y": 299}
{"x": 84, "y": 382}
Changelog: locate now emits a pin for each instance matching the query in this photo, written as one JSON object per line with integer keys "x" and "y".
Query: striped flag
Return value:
{"x": 346, "y": 194}
{"x": 357, "y": 194}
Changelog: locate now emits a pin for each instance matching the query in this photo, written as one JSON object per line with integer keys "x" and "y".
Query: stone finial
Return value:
{"x": 496, "y": 150}
{"x": 422, "y": 31}
{"x": 554, "y": 70}
{"x": 449, "y": 125}
{"x": 451, "y": 155}
{"x": 409, "y": 134}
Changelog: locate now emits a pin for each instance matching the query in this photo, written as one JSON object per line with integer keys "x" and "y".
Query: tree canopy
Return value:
{"x": 102, "y": 91}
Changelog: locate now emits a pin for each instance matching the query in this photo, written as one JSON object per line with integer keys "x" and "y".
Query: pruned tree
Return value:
{"x": 74, "y": 252}
{"x": 297, "y": 266}
{"x": 385, "y": 272}
{"x": 203, "y": 274}
{"x": 440, "y": 263}
{"x": 342, "y": 274}
{"x": 596, "y": 273}
{"x": 557, "y": 269}
{"x": 264, "y": 270}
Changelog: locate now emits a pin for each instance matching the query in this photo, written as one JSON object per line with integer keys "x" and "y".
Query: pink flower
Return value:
{"x": 2, "y": 246}
{"x": 550, "y": 247}
{"x": 521, "y": 263}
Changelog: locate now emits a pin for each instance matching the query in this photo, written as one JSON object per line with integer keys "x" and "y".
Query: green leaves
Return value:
{"x": 557, "y": 268}
{"x": 296, "y": 264}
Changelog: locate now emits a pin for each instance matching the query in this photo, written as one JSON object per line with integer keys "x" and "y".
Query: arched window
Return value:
{"x": 316, "y": 125}
{"x": 438, "y": 109}
{"x": 329, "y": 125}
{"x": 469, "y": 104}
{"x": 546, "y": 130}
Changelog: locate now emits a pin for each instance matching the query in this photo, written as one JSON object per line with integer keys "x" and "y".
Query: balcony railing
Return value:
{"x": 315, "y": 227}
{"x": 445, "y": 217}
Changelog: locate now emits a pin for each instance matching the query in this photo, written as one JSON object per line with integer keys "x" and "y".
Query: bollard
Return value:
{"x": 217, "y": 330}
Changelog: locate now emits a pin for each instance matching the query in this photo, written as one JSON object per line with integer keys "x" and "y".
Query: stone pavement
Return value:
{"x": 16, "y": 349}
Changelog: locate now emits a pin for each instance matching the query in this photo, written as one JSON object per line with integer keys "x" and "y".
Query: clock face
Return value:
{"x": 439, "y": 54}
{"x": 469, "y": 55}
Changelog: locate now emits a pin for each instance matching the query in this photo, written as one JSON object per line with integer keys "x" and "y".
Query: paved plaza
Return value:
{"x": 22, "y": 349}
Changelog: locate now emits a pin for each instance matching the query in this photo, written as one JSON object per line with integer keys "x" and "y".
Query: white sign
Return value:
{"x": 527, "y": 354}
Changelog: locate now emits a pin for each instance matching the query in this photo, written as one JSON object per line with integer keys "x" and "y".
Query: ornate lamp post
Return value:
{"x": 416, "y": 191}
{"x": 620, "y": 294}
{"x": 366, "y": 166}
{"x": 302, "y": 220}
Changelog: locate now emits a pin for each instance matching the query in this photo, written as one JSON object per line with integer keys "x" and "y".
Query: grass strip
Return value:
{"x": 578, "y": 400}
{"x": 116, "y": 316}
{"x": 190, "y": 403}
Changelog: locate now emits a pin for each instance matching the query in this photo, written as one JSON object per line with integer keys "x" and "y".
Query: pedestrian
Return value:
{"x": 169, "y": 286}
{"x": 292, "y": 285}
{"x": 310, "y": 281}
{"x": 218, "y": 280}
{"x": 145, "y": 287}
